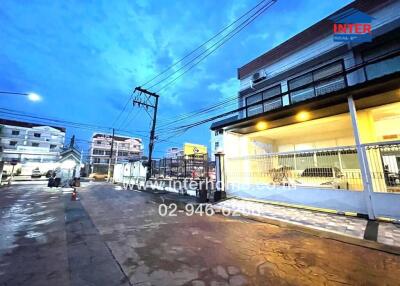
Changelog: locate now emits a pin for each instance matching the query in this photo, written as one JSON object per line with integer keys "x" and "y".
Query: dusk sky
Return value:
{"x": 85, "y": 57}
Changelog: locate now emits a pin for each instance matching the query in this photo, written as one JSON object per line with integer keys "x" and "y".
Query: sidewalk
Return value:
{"x": 354, "y": 227}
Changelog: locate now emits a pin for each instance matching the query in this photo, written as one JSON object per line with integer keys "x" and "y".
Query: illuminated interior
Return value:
{"x": 320, "y": 143}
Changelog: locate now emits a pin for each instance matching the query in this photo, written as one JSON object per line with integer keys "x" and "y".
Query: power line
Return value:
{"x": 214, "y": 47}
{"x": 53, "y": 121}
{"x": 203, "y": 44}
{"x": 187, "y": 56}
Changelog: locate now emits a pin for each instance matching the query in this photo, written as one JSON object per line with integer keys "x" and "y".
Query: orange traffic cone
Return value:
{"x": 74, "y": 195}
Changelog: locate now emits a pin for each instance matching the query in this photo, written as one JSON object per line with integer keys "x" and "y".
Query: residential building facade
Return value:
{"x": 25, "y": 142}
{"x": 174, "y": 153}
{"x": 318, "y": 120}
{"x": 125, "y": 149}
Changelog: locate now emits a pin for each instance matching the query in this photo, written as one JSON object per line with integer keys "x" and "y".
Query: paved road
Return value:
{"x": 115, "y": 237}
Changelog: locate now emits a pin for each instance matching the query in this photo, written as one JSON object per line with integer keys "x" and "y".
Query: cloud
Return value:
{"x": 85, "y": 57}
{"x": 228, "y": 90}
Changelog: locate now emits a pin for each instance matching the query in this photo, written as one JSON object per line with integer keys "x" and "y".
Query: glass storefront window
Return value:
{"x": 328, "y": 159}
{"x": 349, "y": 159}
{"x": 304, "y": 161}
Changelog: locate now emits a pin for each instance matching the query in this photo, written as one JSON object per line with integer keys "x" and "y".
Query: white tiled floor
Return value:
{"x": 351, "y": 226}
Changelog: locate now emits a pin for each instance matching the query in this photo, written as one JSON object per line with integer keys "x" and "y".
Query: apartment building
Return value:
{"x": 318, "y": 117}
{"x": 26, "y": 142}
{"x": 174, "y": 153}
{"x": 125, "y": 149}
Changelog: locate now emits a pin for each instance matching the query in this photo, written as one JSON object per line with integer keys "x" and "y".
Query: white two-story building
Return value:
{"x": 318, "y": 119}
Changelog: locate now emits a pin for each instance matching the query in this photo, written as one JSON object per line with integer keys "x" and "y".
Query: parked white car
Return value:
{"x": 331, "y": 178}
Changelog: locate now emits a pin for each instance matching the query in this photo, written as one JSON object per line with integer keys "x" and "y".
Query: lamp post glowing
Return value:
{"x": 31, "y": 96}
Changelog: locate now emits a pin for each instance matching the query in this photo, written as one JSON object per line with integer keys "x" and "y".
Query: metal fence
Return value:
{"x": 331, "y": 168}
{"x": 196, "y": 166}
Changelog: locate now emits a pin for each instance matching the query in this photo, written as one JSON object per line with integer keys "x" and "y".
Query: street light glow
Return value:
{"x": 34, "y": 97}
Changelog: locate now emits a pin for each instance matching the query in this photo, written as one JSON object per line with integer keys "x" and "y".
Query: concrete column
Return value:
{"x": 363, "y": 160}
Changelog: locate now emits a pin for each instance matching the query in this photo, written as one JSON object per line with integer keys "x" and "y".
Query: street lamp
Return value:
{"x": 31, "y": 95}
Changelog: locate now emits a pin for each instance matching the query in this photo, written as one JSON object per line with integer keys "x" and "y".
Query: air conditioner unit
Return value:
{"x": 258, "y": 76}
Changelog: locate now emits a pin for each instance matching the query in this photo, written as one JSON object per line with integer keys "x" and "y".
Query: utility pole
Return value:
{"x": 111, "y": 152}
{"x": 150, "y": 101}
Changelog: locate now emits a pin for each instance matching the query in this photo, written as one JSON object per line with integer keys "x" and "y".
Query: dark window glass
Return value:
{"x": 252, "y": 110}
{"x": 335, "y": 68}
{"x": 330, "y": 85}
{"x": 267, "y": 106}
{"x": 300, "y": 81}
{"x": 34, "y": 144}
{"x": 15, "y": 132}
{"x": 253, "y": 99}
{"x": 320, "y": 88}
{"x": 384, "y": 67}
{"x": 271, "y": 92}
{"x": 53, "y": 146}
{"x": 302, "y": 94}
{"x": 13, "y": 143}
{"x": 98, "y": 152}
{"x": 36, "y": 135}
{"x": 272, "y": 104}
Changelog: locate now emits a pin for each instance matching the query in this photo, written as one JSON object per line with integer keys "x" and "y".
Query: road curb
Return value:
{"x": 322, "y": 233}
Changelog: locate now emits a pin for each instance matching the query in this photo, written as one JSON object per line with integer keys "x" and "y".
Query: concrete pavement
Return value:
{"x": 117, "y": 237}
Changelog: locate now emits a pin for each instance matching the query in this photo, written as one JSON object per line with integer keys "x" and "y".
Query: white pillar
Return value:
{"x": 362, "y": 160}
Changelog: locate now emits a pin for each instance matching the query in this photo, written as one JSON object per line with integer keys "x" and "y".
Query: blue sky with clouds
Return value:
{"x": 84, "y": 57}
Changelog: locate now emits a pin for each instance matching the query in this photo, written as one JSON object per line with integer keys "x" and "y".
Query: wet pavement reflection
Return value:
{"x": 117, "y": 237}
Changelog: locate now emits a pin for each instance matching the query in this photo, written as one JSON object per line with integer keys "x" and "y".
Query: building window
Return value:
{"x": 318, "y": 82}
{"x": 98, "y": 152}
{"x": 265, "y": 105}
{"x": 98, "y": 142}
{"x": 13, "y": 143}
{"x": 216, "y": 145}
{"x": 383, "y": 67}
{"x": 255, "y": 109}
{"x": 53, "y": 146}
{"x": 37, "y": 135}
{"x": 96, "y": 160}
{"x": 219, "y": 131}
{"x": 35, "y": 144}
{"x": 15, "y": 132}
